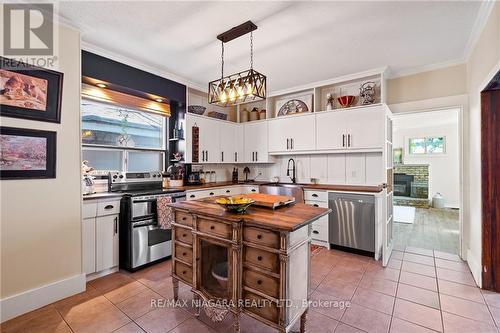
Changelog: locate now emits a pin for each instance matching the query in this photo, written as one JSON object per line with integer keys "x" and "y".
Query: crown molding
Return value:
{"x": 86, "y": 46}
{"x": 484, "y": 13}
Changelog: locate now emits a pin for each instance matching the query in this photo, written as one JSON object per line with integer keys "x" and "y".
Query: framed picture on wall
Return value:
{"x": 30, "y": 92}
{"x": 27, "y": 153}
{"x": 398, "y": 156}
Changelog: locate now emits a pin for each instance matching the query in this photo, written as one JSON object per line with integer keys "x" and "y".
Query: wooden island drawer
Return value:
{"x": 183, "y": 253}
{"x": 184, "y": 235}
{"x": 215, "y": 228}
{"x": 261, "y": 306}
{"x": 261, "y": 236}
{"x": 261, "y": 282}
{"x": 261, "y": 259}
{"x": 184, "y": 272}
{"x": 184, "y": 218}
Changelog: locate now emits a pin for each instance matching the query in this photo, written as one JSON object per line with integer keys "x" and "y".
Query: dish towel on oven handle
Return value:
{"x": 165, "y": 213}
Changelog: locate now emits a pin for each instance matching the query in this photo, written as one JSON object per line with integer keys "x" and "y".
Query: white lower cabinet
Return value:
{"x": 100, "y": 235}
{"x": 88, "y": 245}
{"x": 320, "y": 228}
{"x": 225, "y": 190}
{"x": 106, "y": 242}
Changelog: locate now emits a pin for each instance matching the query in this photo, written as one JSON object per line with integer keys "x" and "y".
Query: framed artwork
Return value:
{"x": 294, "y": 104}
{"x": 30, "y": 92}
{"x": 27, "y": 153}
{"x": 398, "y": 156}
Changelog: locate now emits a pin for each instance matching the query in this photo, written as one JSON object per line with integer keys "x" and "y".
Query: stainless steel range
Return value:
{"x": 142, "y": 241}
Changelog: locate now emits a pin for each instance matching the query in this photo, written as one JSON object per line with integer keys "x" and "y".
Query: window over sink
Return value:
{"x": 118, "y": 138}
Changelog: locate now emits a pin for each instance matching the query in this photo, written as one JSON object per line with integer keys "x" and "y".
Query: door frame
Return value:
{"x": 490, "y": 185}
{"x": 414, "y": 108}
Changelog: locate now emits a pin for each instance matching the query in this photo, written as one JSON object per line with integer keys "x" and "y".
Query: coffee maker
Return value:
{"x": 192, "y": 174}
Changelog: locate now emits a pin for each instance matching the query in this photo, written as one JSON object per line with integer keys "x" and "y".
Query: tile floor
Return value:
{"x": 420, "y": 291}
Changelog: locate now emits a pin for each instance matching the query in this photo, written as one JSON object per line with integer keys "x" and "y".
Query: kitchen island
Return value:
{"x": 256, "y": 263}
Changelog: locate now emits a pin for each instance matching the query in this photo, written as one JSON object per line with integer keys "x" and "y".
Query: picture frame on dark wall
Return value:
{"x": 30, "y": 92}
{"x": 27, "y": 153}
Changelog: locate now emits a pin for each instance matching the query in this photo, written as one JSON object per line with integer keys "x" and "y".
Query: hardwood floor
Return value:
{"x": 435, "y": 229}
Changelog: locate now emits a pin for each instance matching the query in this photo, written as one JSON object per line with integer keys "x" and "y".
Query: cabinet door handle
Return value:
{"x": 291, "y": 143}
{"x": 211, "y": 193}
{"x": 116, "y": 225}
{"x": 184, "y": 235}
{"x": 222, "y": 156}
{"x": 259, "y": 258}
{"x": 348, "y": 140}
{"x": 315, "y": 195}
{"x": 109, "y": 207}
{"x": 343, "y": 140}
{"x": 203, "y": 156}
{"x": 316, "y": 205}
{"x": 184, "y": 254}
{"x": 212, "y": 227}
{"x": 236, "y": 157}
{"x": 259, "y": 282}
{"x": 256, "y": 157}
{"x": 207, "y": 154}
{"x": 253, "y": 156}
{"x": 287, "y": 143}
{"x": 315, "y": 232}
{"x": 228, "y": 191}
{"x": 259, "y": 236}
{"x": 184, "y": 218}
{"x": 253, "y": 190}
{"x": 192, "y": 196}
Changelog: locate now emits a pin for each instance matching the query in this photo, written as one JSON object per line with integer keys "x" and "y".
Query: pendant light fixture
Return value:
{"x": 241, "y": 87}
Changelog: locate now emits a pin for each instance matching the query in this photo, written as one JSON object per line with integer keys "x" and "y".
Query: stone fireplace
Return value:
{"x": 411, "y": 185}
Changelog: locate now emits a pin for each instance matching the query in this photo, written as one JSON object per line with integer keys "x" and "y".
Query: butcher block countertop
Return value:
{"x": 288, "y": 218}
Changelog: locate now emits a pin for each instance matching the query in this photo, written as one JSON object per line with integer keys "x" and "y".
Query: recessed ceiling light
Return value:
{"x": 159, "y": 100}
{"x": 101, "y": 85}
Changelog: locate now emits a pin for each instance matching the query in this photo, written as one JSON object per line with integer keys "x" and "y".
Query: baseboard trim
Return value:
{"x": 475, "y": 268}
{"x": 16, "y": 305}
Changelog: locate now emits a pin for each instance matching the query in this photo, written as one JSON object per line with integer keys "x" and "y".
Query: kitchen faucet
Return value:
{"x": 293, "y": 170}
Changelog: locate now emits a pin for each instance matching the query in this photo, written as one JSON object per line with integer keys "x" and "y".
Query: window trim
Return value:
{"x": 425, "y": 145}
{"x": 125, "y": 152}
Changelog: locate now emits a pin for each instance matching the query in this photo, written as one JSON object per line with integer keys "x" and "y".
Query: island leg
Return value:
{"x": 303, "y": 322}
{"x": 197, "y": 304}
{"x": 236, "y": 322}
{"x": 175, "y": 286}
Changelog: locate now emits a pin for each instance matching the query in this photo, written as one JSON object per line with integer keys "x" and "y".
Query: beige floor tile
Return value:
{"x": 465, "y": 308}
{"x": 417, "y": 250}
{"x": 316, "y": 322}
{"x": 460, "y": 290}
{"x": 129, "y": 328}
{"x": 366, "y": 319}
{"x": 453, "y": 265}
{"x": 394, "y": 263}
{"x": 128, "y": 290}
{"x": 140, "y": 304}
{"x": 419, "y": 259}
{"x": 454, "y": 276}
{"x": 418, "y": 314}
{"x": 397, "y": 255}
{"x": 339, "y": 289}
{"x": 192, "y": 325}
{"x": 387, "y": 287}
{"x": 491, "y": 298}
{"x": 95, "y": 315}
{"x": 344, "y": 328}
{"x": 383, "y": 273}
{"x": 44, "y": 320}
{"x": 413, "y": 267}
{"x": 418, "y": 295}
{"x": 327, "y": 305}
{"x": 495, "y": 312}
{"x": 111, "y": 281}
{"x": 374, "y": 300}
{"x": 418, "y": 280}
{"x": 162, "y": 320}
{"x": 447, "y": 256}
{"x": 457, "y": 324}
{"x": 403, "y": 326}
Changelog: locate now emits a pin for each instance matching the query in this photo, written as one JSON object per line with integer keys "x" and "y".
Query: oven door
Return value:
{"x": 143, "y": 207}
{"x": 149, "y": 242}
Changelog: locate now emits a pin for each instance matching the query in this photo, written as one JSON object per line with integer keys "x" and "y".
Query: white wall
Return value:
{"x": 483, "y": 63}
{"x": 443, "y": 168}
{"x": 41, "y": 218}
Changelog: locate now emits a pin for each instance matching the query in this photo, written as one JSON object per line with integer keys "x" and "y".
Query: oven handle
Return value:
{"x": 140, "y": 225}
{"x": 144, "y": 200}
{"x": 143, "y": 218}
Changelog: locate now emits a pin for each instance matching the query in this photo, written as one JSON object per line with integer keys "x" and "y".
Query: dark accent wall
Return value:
{"x": 129, "y": 77}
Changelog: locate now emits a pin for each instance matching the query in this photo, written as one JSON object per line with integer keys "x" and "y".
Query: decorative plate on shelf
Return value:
{"x": 294, "y": 104}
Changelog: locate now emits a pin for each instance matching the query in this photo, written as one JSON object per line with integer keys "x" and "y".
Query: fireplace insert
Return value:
{"x": 402, "y": 184}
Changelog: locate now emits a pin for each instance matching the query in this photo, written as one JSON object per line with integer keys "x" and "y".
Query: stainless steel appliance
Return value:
{"x": 352, "y": 221}
{"x": 292, "y": 190}
{"x": 142, "y": 241}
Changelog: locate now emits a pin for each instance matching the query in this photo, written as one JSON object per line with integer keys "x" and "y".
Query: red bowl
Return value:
{"x": 346, "y": 101}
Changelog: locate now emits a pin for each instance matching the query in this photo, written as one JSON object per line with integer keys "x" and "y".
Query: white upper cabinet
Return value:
{"x": 256, "y": 139}
{"x": 209, "y": 139}
{"x": 292, "y": 133}
{"x": 361, "y": 128}
{"x": 227, "y": 134}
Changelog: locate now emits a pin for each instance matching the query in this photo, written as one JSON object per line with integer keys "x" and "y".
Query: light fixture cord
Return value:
{"x": 251, "y": 49}
{"x": 222, "y": 56}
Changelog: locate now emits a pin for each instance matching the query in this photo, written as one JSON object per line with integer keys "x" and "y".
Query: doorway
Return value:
{"x": 426, "y": 177}
{"x": 490, "y": 168}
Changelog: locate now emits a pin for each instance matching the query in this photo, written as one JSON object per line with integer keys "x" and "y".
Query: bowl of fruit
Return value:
{"x": 235, "y": 204}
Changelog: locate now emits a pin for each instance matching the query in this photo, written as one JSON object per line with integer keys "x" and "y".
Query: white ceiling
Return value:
{"x": 296, "y": 42}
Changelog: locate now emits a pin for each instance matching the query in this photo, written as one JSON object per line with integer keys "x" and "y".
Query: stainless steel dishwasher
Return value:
{"x": 352, "y": 221}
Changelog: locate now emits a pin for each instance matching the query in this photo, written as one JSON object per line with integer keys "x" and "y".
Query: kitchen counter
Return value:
{"x": 326, "y": 187}
{"x": 288, "y": 218}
